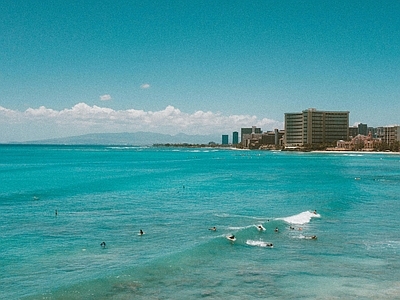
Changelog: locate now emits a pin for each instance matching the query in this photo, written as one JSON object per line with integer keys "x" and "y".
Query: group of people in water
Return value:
{"x": 103, "y": 244}
{"x": 232, "y": 237}
{"x": 260, "y": 227}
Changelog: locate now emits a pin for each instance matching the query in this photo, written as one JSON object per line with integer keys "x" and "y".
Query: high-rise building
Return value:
{"x": 313, "y": 127}
{"x": 389, "y": 134}
{"x": 353, "y": 131}
{"x": 245, "y": 132}
{"x": 294, "y": 130}
{"x": 225, "y": 139}
{"x": 373, "y": 131}
{"x": 363, "y": 129}
{"x": 272, "y": 137}
{"x": 235, "y": 138}
{"x": 250, "y": 136}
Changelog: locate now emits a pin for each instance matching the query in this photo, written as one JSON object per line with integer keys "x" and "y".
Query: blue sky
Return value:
{"x": 75, "y": 67}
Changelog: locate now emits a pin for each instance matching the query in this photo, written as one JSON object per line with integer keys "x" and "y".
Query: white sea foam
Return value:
{"x": 223, "y": 215}
{"x": 301, "y": 218}
{"x": 259, "y": 243}
{"x": 227, "y": 215}
{"x": 239, "y": 228}
{"x": 127, "y": 147}
{"x": 260, "y": 227}
{"x": 306, "y": 237}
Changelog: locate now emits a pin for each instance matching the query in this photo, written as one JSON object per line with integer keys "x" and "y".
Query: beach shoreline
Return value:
{"x": 356, "y": 152}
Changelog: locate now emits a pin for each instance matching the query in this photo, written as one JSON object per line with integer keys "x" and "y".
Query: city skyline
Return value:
{"x": 195, "y": 67}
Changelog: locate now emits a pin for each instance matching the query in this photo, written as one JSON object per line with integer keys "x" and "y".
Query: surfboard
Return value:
{"x": 231, "y": 238}
{"x": 260, "y": 227}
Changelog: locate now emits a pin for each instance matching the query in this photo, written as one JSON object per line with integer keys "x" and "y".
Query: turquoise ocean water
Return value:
{"x": 175, "y": 195}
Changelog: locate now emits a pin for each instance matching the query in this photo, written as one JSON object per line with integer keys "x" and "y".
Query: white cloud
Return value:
{"x": 83, "y": 118}
{"x": 105, "y": 97}
{"x": 41, "y": 112}
{"x": 145, "y": 86}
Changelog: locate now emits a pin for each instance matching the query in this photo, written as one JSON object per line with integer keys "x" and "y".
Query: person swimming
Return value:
{"x": 103, "y": 244}
{"x": 213, "y": 228}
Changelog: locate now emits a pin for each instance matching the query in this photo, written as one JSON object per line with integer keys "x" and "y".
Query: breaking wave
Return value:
{"x": 301, "y": 218}
{"x": 259, "y": 244}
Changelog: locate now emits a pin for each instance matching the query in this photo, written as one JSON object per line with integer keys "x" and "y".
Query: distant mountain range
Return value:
{"x": 134, "y": 139}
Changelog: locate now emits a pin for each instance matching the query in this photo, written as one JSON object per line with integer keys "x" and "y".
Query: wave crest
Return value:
{"x": 301, "y": 218}
{"x": 259, "y": 243}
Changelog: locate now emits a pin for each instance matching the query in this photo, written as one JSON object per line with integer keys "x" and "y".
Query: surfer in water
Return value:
{"x": 141, "y": 232}
{"x": 276, "y": 229}
{"x": 213, "y": 228}
{"x": 260, "y": 227}
{"x": 103, "y": 244}
{"x": 231, "y": 237}
{"x": 315, "y": 212}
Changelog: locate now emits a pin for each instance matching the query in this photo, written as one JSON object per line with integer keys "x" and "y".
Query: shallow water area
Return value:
{"x": 175, "y": 196}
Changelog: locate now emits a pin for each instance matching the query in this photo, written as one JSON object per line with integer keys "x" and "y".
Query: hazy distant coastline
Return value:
{"x": 155, "y": 140}
{"x": 127, "y": 138}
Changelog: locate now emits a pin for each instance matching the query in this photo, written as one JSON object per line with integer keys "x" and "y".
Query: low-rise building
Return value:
{"x": 358, "y": 143}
